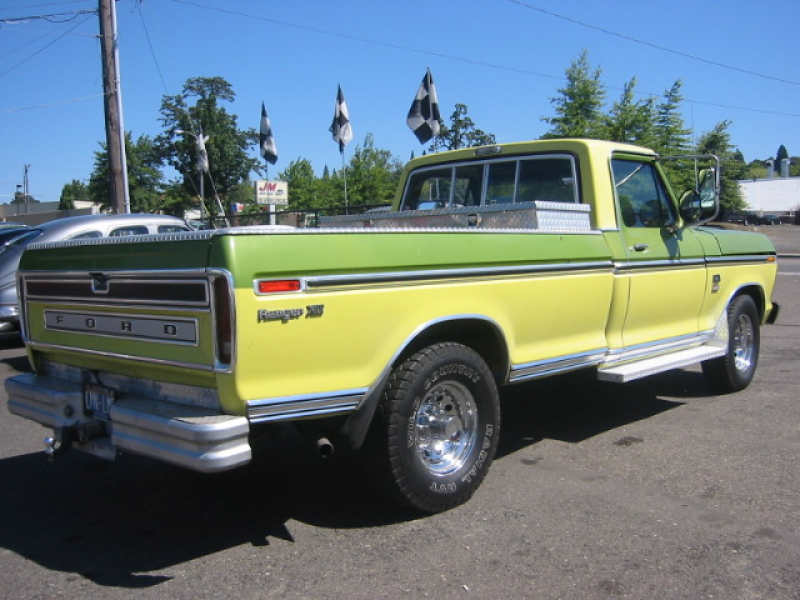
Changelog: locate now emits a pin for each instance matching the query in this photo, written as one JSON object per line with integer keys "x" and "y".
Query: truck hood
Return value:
{"x": 733, "y": 242}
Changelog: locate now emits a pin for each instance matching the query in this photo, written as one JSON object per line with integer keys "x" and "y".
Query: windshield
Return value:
{"x": 26, "y": 238}
{"x": 6, "y": 235}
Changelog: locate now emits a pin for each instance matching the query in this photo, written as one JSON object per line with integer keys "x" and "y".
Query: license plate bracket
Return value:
{"x": 97, "y": 400}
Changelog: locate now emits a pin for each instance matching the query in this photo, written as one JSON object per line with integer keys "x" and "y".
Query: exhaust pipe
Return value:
{"x": 314, "y": 432}
{"x": 324, "y": 447}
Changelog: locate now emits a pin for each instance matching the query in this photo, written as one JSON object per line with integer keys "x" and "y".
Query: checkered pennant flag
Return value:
{"x": 268, "y": 148}
{"x": 341, "y": 130}
{"x": 423, "y": 118}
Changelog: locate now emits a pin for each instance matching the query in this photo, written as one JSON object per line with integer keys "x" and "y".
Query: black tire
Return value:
{"x": 735, "y": 370}
{"x": 436, "y": 429}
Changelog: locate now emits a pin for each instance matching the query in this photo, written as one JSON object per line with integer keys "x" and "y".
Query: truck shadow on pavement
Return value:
{"x": 116, "y": 524}
{"x": 575, "y": 407}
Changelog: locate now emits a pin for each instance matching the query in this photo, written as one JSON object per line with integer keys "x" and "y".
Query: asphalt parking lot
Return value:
{"x": 656, "y": 489}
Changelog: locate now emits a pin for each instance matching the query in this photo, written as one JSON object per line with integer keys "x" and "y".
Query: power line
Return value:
{"x": 152, "y": 50}
{"x": 26, "y": 6}
{"x": 479, "y": 62}
{"x": 43, "y": 48}
{"x": 651, "y": 45}
{"x": 63, "y": 17}
{"x": 368, "y": 40}
{"x": 52, "y": 104}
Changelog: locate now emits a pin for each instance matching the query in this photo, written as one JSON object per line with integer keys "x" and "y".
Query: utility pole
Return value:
{"x": 115, "y": 131}
{"x": 25, "y": 191}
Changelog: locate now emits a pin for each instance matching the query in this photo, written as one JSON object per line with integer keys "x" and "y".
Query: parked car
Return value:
{"x": 9, "y": 232}
{"x": 739, "y": 218}
{"x": 70, "y": 228}
{"x": 768, "y": 220}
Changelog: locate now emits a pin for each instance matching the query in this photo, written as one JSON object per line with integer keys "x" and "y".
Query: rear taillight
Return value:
{"x": 223, "y": 320}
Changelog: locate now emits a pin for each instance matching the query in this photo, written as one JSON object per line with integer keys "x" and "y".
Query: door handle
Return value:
{"x": 640, "y": 247}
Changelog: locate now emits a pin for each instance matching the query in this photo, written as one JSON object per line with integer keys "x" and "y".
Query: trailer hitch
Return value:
{"x": 59, "y": 443}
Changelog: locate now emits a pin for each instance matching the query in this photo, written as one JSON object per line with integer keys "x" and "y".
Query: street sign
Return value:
{"x": 272, "y": 192}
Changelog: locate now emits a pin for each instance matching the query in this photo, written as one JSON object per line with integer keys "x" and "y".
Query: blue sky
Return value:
{"x": 504, "y": 59}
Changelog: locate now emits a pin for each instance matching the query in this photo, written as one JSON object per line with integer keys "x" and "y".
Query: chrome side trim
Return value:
{"x": 669, "y": 264}
{"x": 465, "y": 273}
{"x": 298, "y": 407}
{"x": 744, "y": 259}
{"x": 260, "y": 230}
{"x": 553, "y": 366}
{"x": 658, "y": 347}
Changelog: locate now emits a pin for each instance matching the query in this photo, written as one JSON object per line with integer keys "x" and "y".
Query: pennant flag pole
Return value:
{"x": 269, "y": 151}
{"x": 266, "y": 141}
{"x": 423, "y": 117}
{"x": 342, "y": 132}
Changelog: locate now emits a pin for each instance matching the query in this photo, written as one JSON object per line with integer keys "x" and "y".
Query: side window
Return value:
{"x": 547, "y": 179}
{"x": 428, "y": 189}
{"x": 643, "y": 200}
{"x": 129, "y": 230}
{"x": 170, "y": 228}
{"x": 86, "y": 235}
{"x": 501, "y": 182}
{"x": 468, "y": 186}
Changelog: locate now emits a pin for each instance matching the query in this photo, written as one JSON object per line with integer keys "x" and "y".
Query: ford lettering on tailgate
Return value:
{"x": 169, "y": 329}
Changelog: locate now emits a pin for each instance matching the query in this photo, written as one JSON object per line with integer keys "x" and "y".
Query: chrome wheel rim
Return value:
{"x": 445, "y": 428}
{"x": 743, "y": 343}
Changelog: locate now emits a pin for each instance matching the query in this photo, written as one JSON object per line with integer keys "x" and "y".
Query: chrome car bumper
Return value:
{"x": 192, "y": 437}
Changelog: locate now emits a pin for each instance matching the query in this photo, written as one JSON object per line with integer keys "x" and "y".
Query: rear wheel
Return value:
{"x": 437, "y": 428}
{"x": 735, "y": 370}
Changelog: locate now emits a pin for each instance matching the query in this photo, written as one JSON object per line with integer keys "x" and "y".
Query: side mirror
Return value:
{"x": 702, "y": 204}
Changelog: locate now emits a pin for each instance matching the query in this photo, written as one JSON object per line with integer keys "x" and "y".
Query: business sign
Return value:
{"x": 272, "y": 192}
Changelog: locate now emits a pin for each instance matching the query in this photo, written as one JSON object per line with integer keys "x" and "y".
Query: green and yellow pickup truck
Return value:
{"x": 389, "y": 332}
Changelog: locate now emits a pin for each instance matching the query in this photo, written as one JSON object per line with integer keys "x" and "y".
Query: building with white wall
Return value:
{"x": 779, "y": 195}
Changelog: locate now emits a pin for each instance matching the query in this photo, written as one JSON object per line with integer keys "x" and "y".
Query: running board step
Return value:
{"x": 637, "y": 369}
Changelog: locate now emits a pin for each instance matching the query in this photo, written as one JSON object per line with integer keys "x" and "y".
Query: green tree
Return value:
{"x": 460, "y": 133}
{"x": 302, "y": 184}
{"x": 794, "y": 166}
{"x": 372, "y": 175}
{"x": 20, "y": 198}
{"x": 329, "y": 190}
{"x": 145, "y": 180}
{"x": 629, "y": 121}
{"x": 672, "y": 138}
{"x": 196, "y": 111}
{"x": 72, "y": 192}
{"x": 733, "y": 168}
{"x": 579, "y": 107}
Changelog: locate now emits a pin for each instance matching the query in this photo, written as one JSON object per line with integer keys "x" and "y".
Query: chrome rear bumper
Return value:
{"x": 193, "y": 437}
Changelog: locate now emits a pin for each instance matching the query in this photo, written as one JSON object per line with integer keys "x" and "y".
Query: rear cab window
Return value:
{"x": 549, "y": 178}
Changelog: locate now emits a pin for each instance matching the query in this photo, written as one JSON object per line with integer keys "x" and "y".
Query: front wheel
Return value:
{"x": 735, "y": 370}
{"x": 437, "y": 428}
